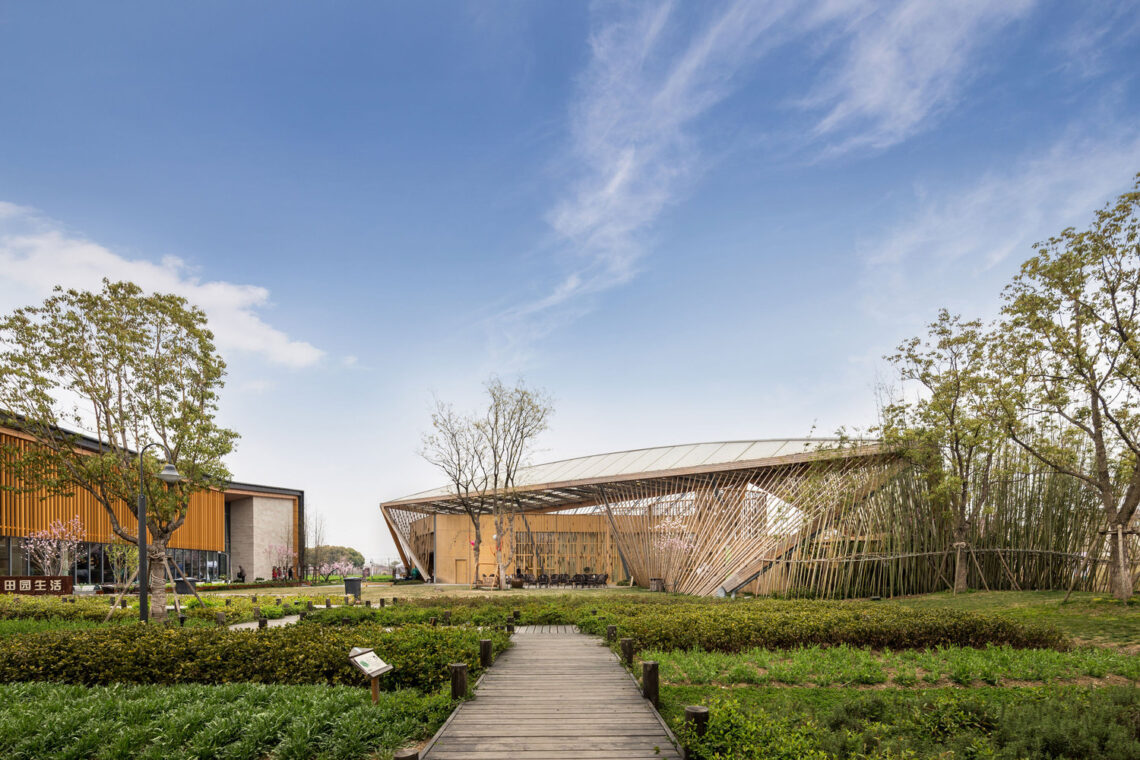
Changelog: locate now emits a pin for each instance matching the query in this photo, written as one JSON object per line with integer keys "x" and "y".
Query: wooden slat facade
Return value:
{"x": 22, "y": 513}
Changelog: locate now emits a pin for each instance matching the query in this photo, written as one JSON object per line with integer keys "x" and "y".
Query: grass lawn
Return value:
{"x": 1088, "y": 618}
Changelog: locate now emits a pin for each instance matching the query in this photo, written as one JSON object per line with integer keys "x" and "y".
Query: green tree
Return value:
{"x": 947, "y": 430}
{"x": 132, "y": 368}
{"x": 331, "y": 554}
{"x": 1068, "y": 360}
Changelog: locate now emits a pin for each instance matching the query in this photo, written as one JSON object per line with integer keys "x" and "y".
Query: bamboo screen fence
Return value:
{"x": 848, "y": 526}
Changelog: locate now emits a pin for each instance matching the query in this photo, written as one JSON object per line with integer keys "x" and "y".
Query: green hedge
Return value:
{"x": 774, "y": 624}
{"x": 287, "y": 655}
{"x": 26, "y": 607}
{"x": 94, "y": 608}
{"x": 669, "y": 622}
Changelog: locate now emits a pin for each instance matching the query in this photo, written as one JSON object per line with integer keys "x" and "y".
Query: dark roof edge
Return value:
{"x": 233, "y": 485}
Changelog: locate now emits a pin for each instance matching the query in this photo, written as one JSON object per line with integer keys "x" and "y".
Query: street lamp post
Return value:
{"x": 169, "y": 475}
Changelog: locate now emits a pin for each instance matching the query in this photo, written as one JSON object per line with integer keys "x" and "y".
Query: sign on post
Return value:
{"x": 40, "y": 584}
{"x": 370, "y": 664}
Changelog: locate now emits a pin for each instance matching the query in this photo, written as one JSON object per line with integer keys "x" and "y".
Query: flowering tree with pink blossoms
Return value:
{"x": 281, "y": 555}
{"x": 52, "y": 549}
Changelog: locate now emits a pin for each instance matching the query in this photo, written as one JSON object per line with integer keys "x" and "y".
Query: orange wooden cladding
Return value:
{"x": 22, "y": 513}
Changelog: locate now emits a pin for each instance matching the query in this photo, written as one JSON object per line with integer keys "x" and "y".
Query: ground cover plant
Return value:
{"x": 235, "y": 721}
{"x": 287, "y": 655}
{"x": 895, "y": 724}
{"x": 857, "y": 666}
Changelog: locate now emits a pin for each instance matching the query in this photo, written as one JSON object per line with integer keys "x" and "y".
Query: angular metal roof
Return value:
{"x": 561, "y": 483}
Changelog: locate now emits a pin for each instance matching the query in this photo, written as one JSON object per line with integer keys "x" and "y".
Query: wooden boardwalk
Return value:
{"x": 555, "y": 694}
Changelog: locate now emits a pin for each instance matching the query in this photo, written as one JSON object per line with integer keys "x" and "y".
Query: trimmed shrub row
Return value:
{"x": 775, "y": 624}
{"x": 727, "y": 626}
{"x": 288, "y": 655}
{"x": 94, "y": 608}
{"x": 26, "y": 607}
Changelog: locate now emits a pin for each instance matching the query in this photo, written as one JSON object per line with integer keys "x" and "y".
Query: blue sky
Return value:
{"x": 686, "y": 221}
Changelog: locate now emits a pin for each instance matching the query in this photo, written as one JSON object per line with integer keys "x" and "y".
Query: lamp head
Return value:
{"x": 169, "y": 474}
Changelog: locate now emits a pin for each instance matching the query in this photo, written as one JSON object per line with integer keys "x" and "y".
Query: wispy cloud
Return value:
{"x": 901, "y": 66}
{"x": 633, "y": 152}
{"x": 957, "y": 247}
{"x": 886, "y": 72}
{"x": 37, "y": 254}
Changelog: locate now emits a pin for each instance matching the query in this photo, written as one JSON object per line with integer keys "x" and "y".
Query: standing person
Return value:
{"x": 241, "y": 574}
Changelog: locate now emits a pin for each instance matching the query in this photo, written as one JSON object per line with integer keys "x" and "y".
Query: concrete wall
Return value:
{"x": 256, "y": 523}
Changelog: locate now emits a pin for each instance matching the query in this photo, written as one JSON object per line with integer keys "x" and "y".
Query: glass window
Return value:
{"x": 5, "y": 556}
{"x": 82, "y": 564}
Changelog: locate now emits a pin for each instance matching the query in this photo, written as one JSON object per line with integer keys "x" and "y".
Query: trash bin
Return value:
{"x": 185, "y": 585}
{"x": 352, "y": 586}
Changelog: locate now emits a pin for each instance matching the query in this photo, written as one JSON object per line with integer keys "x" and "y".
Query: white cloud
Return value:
{"x": 958, "y": 247}
{"x": 37, "y": 254}
{"x": 901, "y": 66}
{"x": 632, "y": 152}
{"x": 888, "y": 72}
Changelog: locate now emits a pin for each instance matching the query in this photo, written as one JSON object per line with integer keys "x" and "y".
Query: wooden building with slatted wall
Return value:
{"x": 223, "y": 529}
{"x": 704, "y": 518}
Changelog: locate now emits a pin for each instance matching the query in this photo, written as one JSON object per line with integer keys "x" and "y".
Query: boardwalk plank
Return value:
{"x": 556, "y": 694}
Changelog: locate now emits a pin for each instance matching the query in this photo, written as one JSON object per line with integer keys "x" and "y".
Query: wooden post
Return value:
{"x": 447, "y": 617}
{"x": 368, "y": 603}
{"x": 122, "y": 604}
{"x": 328, "y": 603}
{"x": 220, "y": 617}
{"x": 510, "y": 628}
{"x": 381, "y": 602}
{"x": 394, "y": 600}
{"x": 304, "y": 614}
{"x": 649, "y": 681}
{"x": 627, "y": 651}
{"x": 309, "y": 605}
{"x": 485, "y": 652}
{"x": 262, "y": 622}
{"x": 458, "y": 680}
{"x": 278, "y": 601}
{"x": 517, "y": 615}
{"x": 697, "y": 718}
{"x": 182, "y": 620}
{"x": 375, "y": 689}
{"x": 256, "y": 613}
{"x": 611, "y": 632}
{"x": 346, "y": 602}
{"x": 433, "y": 621}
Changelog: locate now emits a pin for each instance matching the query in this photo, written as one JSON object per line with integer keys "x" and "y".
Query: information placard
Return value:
{"x": 36, "y": 584}
{"x": 368, "y": 662}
